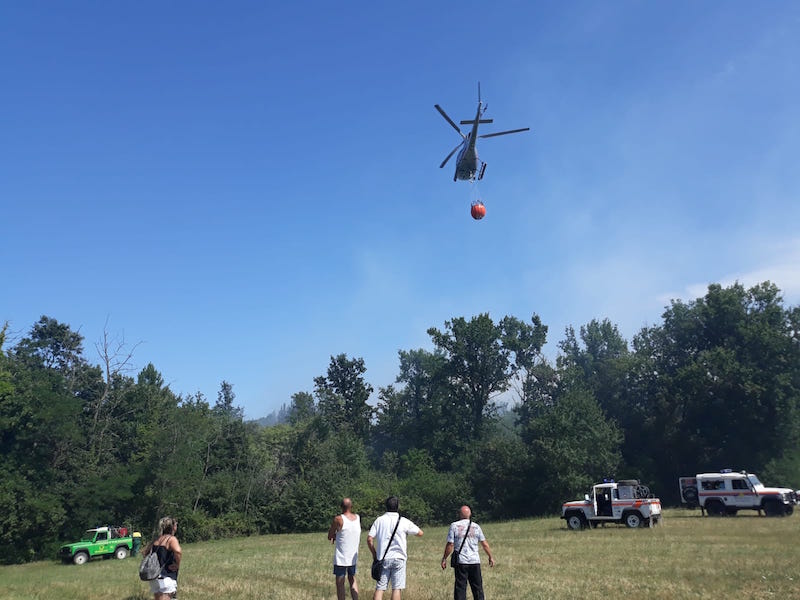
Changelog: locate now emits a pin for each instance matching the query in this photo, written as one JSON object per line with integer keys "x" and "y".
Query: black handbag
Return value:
{"x": 377, "y": 565}
{"x": 454, "y": 555}
{"x": 377, "y": 569}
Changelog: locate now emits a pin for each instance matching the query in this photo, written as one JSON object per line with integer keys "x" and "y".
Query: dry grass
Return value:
{"x": 687, "y": 557}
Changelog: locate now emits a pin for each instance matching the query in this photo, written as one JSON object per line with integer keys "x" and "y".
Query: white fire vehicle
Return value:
{"x": 727, "y": 492}
{"x": 625, "y": 501}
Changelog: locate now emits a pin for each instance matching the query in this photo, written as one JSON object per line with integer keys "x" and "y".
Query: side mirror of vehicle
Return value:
{"x": 586, "y": 497}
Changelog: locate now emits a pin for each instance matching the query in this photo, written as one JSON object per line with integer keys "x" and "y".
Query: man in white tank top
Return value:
{"x": 345, "y": 534}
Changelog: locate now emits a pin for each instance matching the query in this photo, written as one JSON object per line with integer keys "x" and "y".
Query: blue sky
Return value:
{"x": 247, "y": 188}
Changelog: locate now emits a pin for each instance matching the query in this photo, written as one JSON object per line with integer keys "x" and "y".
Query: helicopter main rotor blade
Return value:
{"x": 453, "y": 151}
{"x": 486, "y": 135}
{"x": 448, "y": 119}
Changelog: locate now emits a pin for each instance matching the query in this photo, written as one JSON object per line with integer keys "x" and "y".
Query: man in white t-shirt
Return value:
{"x": 345, "y": 534}
{"x": 396, "y": 552}
{"x": 468, "y": 568}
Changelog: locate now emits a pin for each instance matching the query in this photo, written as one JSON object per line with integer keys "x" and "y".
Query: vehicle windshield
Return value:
{"x": 754, "y": 480}
{"x": 88, "y": 535}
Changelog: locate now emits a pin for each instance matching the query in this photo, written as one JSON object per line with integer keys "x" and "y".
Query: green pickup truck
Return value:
{"x": 102, "y": 541}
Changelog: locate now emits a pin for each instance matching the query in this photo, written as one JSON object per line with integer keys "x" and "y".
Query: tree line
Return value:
{"x": 483, "y": 417}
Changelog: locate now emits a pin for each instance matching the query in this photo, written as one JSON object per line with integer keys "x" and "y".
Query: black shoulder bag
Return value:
{"x": 454, "y": 555}
{"x": 377, "y": 565}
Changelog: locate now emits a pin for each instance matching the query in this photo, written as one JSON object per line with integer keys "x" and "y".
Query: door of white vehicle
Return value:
{"x": 741, "y": 494}
{"x": 619, "y": 503}
{"x": 603, "y": 504}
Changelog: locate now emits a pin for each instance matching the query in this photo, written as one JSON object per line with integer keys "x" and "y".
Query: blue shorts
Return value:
{"x": 342, "y": 571}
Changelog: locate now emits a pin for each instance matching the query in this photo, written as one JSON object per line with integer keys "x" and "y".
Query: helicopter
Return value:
{"x": 468, "y": 166}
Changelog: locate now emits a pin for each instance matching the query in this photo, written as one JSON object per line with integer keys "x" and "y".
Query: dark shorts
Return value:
{"x": 342, "y": 571}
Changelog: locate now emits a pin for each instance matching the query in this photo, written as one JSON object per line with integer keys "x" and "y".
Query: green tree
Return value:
{"x": 570, "y": 446}
{"x": 499, "y": 475}
{"x": 53, "y": 345}
{"x": 229, "y": 454}
{"x": 343, "y": 395}
{"x": 270, "y": 469}
{"x": 322, "y": 464}
{"x": 525, "y": 341}
{"x": 481, "y": 359}
{"x": 720, "y": 379}
{"x": 41, "y": 447}
{"x": 429, "y": 495}
{"x": 302, "y": 408}
{"x": 410, "y": 415}
{"x": 225, "y": 403}
{"x": 600, "y": 358}
{"x": 478, "y": 368}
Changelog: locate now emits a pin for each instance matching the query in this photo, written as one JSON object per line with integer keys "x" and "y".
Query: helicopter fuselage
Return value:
{"x": 467, "y": 160}
{"x": 468, "y": 166}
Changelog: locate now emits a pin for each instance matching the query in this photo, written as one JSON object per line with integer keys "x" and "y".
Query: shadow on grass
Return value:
{"x": 745, "y": 514}
{"x": 689, "y": 514}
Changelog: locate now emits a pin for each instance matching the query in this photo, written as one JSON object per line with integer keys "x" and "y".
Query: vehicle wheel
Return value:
{"x": 690, "y": 495}
{"x": 80, "y": 558}
{"x": 773, "y": 509}
{"x": 731, "y": 512}
{"x": 575, "y": 522}
{"x": 633, "y": 520}
{"x": 121, "y": 553}
{"x": 715, "y": 508}
{"x": 789, "y": 510}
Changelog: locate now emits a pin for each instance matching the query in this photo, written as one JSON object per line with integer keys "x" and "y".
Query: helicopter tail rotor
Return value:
{"x": 481, "y": 105}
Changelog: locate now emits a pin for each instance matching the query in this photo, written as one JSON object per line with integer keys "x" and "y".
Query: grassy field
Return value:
{"x": 688, "y": 556}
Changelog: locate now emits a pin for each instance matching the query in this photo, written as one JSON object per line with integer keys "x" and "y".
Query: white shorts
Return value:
{"x": 163, "y": 585}
{"x": 394, "y": 571}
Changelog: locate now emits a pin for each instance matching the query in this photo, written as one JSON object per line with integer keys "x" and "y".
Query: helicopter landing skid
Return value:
{"x": 483, "y": 170}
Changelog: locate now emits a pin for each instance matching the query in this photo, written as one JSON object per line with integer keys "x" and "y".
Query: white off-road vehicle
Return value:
{"x": 728, "y": 492}
{"x": 626, "y": 501}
